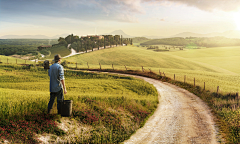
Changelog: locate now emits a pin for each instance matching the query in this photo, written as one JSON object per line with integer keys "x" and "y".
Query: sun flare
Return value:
{"x": 237, "y": 20}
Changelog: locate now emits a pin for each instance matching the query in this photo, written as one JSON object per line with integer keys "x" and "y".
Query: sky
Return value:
{"x": 134, "y": 17}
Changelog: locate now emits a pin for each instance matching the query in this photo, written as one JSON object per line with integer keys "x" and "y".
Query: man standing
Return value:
{"x": 57, "y": 84}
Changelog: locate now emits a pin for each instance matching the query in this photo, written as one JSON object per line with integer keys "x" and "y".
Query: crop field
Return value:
{"x": 214, "y": 66}
{"x": 110, "y": 107}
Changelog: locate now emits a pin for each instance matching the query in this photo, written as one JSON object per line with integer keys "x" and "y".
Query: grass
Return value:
{"x": 214, "y": 66}
{"x": 113, "y": 106}
{"x": 12, "y": 60}
{"x": 62, "y": 50}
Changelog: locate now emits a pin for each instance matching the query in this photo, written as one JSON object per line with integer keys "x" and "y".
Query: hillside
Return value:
{"x": 195, "y": 41}
{"x": 58, "y": 49}
{"x": 215, "y": 66}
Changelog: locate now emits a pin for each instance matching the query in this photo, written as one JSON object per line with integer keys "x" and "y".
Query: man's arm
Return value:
{"x": 61, "y": 76}
{"x": 64, "y": 88}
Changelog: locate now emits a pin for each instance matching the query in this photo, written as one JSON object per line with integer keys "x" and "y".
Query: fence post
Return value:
{"x": 7, "y": 60}
{"x": 76, "y": 65}
{"x": 100, "y": 66}
{"x": 112, "y": 67}
{"x": 217, "y": 89}
{"x": 16, "y": 61}
{"x": 35, "y": 61}
{"x": 204, "y": 86}
{"x": 159, "y": 72}
{"x": 142, "y": 69}
{"x": 237, "y": 98}
{"x": 88, "y": 65}
{"x": 194, "y": 82}
{"x": 174, "y": 76}
{"x": 125, "y": 67}
{"x": 184, "y": 78}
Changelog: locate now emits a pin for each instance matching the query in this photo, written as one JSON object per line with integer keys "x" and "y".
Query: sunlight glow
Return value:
{"x": 237, "y": 20}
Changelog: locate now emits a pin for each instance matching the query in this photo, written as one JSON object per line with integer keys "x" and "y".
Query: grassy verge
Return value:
{"x": 110, "y": 107}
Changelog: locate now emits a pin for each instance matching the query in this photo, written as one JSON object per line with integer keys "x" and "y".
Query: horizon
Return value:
{"x": 136, "y": 18}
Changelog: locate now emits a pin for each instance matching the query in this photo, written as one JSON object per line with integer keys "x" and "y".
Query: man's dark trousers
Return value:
{"x": 60, "y": 99}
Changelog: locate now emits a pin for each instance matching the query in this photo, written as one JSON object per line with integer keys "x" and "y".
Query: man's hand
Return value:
{"x": 65, "y": 91}
{"x": 63, "y": 84}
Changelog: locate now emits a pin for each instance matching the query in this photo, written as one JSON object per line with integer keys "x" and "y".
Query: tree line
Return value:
{"x": 23, "y": 46}
{"x": 85, "y": 43}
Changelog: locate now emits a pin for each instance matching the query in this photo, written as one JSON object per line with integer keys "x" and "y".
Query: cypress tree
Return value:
{"x": 104, "y": 42}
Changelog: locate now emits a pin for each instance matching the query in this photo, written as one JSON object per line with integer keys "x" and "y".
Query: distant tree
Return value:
{"x": 60, "y": 39}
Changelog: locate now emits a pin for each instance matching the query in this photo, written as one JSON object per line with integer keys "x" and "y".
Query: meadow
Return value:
{"x": 214, "y": 66}
{"x": 110, "y": 107}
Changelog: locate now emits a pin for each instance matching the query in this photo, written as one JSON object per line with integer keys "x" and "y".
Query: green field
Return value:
{"x": 113, "y": 107}
{"x": 214, "y": 66}
{"x": 11, "y": 60}
{"x": 62, "y": 50}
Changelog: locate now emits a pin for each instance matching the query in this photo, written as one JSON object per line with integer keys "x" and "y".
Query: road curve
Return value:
{"x": 181, "y": 117}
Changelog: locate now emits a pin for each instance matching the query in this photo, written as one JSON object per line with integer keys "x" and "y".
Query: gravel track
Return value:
{"x": 181, "y": 117}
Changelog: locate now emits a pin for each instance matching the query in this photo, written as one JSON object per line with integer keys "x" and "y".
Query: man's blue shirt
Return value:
{"x": 56, "y": 74}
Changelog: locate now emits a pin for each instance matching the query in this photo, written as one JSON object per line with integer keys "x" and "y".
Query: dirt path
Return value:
{"x": 181, "y": 117}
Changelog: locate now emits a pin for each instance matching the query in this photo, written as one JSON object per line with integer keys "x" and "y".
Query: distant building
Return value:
{"x": 43, "y": 47}
{"x": 98, "y": 36}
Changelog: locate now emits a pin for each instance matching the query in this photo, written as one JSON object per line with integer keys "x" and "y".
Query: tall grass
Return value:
{"x": 24, "y": 95}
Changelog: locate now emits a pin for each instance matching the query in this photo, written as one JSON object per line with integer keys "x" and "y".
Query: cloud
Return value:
{"x": 206, "y": 5}
{"x": 100, "y": 10}
{"x": 86, "y": 10}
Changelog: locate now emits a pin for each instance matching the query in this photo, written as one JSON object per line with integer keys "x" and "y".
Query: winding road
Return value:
{"x": 181, "y": 117}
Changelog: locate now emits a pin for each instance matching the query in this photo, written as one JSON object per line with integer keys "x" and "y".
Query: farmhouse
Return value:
{"x": 43, "y": 47}
{"x": 97, "y": 36}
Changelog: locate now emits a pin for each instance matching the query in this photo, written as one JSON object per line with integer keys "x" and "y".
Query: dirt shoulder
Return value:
{"x": 181, "y": 117}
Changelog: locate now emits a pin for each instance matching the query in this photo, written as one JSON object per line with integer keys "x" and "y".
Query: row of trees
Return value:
{"x": 90, "y": 42}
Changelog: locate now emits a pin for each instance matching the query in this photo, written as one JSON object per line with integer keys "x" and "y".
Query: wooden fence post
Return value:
{"x": 150, "y": 70}
{"x": 174, "y": 76}
{"x": 88, "y": 65}
{"x": 194, "y": 82}
{"x": 112, "y": 67}
{"x": 100, "y": 66}
{"x": 16, "y": 61}
{"x": 217, "y": 89}
{"x": 184, "y": 78}
{"x": 125, "y": 67}
{"x": 237, "y": 98}
{"x": 142, "y": 69}
{"x": 159, "y": 72}
{"x": 204, "y": 86}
